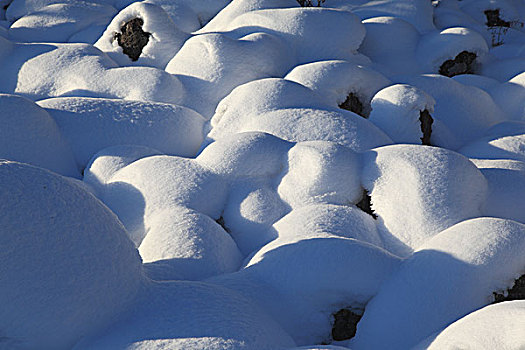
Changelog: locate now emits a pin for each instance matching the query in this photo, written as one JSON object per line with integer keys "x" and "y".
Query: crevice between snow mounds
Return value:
{"x": 345, "y": 324}
{"x": 462, "y": 64}
{"x": 132, "y": 38}
{"x": 353, "y": 104}
{"x": 517, "y": 292}
{"x": 365, "y": 204}
{"x": 426, "y": 121}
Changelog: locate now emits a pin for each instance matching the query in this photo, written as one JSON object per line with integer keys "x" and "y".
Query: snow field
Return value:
{"x": 259, "y": 175}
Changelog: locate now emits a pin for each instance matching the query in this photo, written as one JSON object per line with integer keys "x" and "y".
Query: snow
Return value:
{"x": 109, "y": 160}
{"x": 164, "y": 41}
{"x": 68, "y": 267}
{"x": 418, "y": 191}
{"x": 302, "y": 293}
{"x": 30, "y": 135}
{"x": 391, "y": 43}
{"x": 467, "y": 111}
{"x": 191, "y": 315}
{"x": 291, "y": 111}
{"x": 40, "y": 71}
{"x": 328, "y": 220}
{"x": 335, "y": 80}
{"x": 259, "y": 174}
{"x": 58, "y": 22}
{"x": 450, "y": 276}
{"x": 92, "y": 124}
{"x": 211, "y": 65}
{"x": 151, "y": 184}
{"x": 192, "y": 244}
{"x": 497, "y": 326}
{"x": 320, "y": 172}
{"x": 246, "y": 154}
{"x": 435, "y": 48}
{"x": 301, "y": 29}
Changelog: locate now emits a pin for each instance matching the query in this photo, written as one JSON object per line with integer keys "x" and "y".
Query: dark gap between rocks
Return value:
{"x": 353, "y": 104}
{"x": 461, "y": 64}
{"x": 426, "y": 127}
{"x": 517, "y": 292}
{"x": 133, "y": 38}
{"x": 220, "y": 221}
{"x": 365, "y": 204}
{"x": 494, "y": 20}
{"x": 345, "y": 324}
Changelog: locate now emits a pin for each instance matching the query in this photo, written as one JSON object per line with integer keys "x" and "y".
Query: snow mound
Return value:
{"x": 418, "y": 191}
{"x": 292, "y": 112}
{"x": 325, "y": 220}
{"x": 92, "y": 124}
{"x": 246, "y": 154}
{"x": 497, "y": 326}
{"x": 467, "y": 111}
{"x": 315, "y": 34}
{"x": 194, "y": 316}
{"x": 506, "y": 180}
{"x": 30, "y": 135}
{"x": 108, "y": 161}
{"x": 58, "y": 22}
{"x": 150, "y": 184}
{"x": 503, "y": 141}
{"x": 253, "y": 207}
{"x": 335, "y": 80}
{"x": 40, "y": 71}
{"x": 450, "y": 276}
{"x": 397, "y": 111}
{"x": 321, "y": 172}
{"x": 345, "y": 274}
{"x": 163, "y": 37}
{"x": 68, "y": 267}
{"x": 419, "y": 13}
{"x": 182, "y": 13}
{"x": 190, "y": 244}
{"x": 212, "y": 65}
{"x": 391, "y": 43}
{"x": 435, "y": 48}
{"x": 237, "y": 8}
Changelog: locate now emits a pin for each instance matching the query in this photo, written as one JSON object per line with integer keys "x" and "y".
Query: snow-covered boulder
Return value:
{"x": 30, "y": 135}
{"x": 92, "y": 124}
{"x": 68, "y": 266}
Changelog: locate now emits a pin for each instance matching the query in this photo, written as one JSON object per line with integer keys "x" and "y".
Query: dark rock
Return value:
{"x": 353, "y": 104}
{"x": 133, "y": 38}
{"x": 517, "y": 292}
{"x": 461, "y": 64}
{"x": 220, "y": 221}
{"x": 309, "y": 3}
{"x": 426, "y": 126}
{"x": 494, "y": 20}
{"x": 345, "y": 324}
{"x": 365, "y": 204}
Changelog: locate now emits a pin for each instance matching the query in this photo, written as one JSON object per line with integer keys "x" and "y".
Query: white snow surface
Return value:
{"x": 68, "y": 267}
{"x": 164, "y": 41}
{"x": 92, "y": 124}
{"x": 258, "y": 168}
{"x": 30, "y": 135}
{"x": 418, "y": 191}
{"x": 498, "y": 326}
{"x": 450, "y": 276}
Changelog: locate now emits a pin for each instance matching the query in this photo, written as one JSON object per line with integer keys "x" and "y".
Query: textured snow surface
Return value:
{"x": 262, "y": 174}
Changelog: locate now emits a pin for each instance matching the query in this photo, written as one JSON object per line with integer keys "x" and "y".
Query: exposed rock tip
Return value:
{"x": 132, "y": 38}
